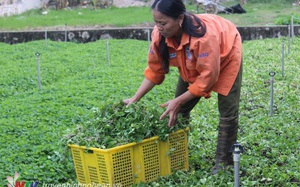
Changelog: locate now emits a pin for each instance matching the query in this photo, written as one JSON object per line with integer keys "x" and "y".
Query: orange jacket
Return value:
{"x": 209, "y": 63}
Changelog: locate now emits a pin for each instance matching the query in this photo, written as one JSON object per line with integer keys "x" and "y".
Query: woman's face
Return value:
{"x": 167, "y": 26}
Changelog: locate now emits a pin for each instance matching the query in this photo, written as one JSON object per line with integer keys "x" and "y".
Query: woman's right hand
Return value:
{"x": 129, "y": 101}
{"x": 144, "y": 88}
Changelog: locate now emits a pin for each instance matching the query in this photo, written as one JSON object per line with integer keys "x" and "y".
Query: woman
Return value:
{"x": 207, "y": 50}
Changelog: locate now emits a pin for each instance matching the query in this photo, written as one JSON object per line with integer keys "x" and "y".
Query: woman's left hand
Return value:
{"x": 173, "y": 107}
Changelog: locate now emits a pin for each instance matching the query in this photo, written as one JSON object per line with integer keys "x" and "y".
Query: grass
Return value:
{"x": 258, "y": 14}
{"x": 117, "y": 17}
{"x": 261, "y": 14}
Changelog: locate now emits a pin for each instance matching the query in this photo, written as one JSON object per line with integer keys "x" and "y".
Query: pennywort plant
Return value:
{"x": 81, "y": 94}
{"x": 115, "y": 124}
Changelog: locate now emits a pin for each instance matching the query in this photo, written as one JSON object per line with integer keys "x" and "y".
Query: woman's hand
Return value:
{"x": 144, "y": 88}
{"x": 173, "y": 107}
{"x": 129, "y": 101}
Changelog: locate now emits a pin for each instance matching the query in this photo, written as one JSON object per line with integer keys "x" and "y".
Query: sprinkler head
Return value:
{"x": 272, "y": 73}
{"x": 237, "y": 149}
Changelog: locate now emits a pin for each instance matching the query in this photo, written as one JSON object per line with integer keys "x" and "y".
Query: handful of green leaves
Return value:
{"x": 116, "y": 124}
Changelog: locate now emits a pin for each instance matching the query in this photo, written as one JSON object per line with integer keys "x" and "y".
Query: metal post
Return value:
{"x": 282, "y": 59}
{"x": 66, "y": 32}
{"x": 272, "y": 74}
{"x": 237, "y": 149}
{"x": 289, "y": 35}
{"x": 292, "y": 25}
{"x": 148, "y": 37}
{"x": 37, "y": 54}
{"x": 107, "y": 52}
{"x": 46, "y": 37}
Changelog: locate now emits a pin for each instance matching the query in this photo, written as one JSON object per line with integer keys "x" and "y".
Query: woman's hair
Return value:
{"x": 191, "y": 24}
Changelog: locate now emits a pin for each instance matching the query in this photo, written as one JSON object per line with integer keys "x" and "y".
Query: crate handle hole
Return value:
{"x": 88, "y": 151}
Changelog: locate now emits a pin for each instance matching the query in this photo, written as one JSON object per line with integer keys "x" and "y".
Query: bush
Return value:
{"x": 286, "y": 20}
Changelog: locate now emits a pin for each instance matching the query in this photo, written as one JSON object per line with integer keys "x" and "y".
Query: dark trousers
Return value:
{"x": 228, "y": 105}
{"x": 228, "y": 120}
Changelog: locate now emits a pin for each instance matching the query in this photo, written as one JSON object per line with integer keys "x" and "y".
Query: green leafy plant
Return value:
{"x": 115, "y": 124}
{"x": 286, "y": 20}
{"x": 79, "y": 86}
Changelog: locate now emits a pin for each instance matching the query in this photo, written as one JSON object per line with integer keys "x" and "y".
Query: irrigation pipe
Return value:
{"x": 237, "y": 149}
{"x": 66, "y": 33}
{"x": 291, "y": 30}
{"x": 272, "y": 74}
{"x": 282, "y": 59}
{"x": 148, "y": 37}
{"x": 289, "y": 35}
{"x": 107, "y": 52}
{"x": 46, "y": 37}
{"x": 292, "y": 26}
{"x": 37, "y": 54}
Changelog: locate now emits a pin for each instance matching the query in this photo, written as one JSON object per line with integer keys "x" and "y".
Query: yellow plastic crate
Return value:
{"x": 131, "y": 163}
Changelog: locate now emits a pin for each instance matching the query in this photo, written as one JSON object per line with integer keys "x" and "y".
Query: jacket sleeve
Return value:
{"x": 207, "y": 52}
{"x": 154, "y": 71}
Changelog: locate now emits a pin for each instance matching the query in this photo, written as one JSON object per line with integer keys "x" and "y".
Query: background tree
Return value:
{"x": 61, "y": 4}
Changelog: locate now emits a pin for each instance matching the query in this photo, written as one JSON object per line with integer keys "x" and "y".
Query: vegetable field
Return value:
{"x": 77, "y": 78}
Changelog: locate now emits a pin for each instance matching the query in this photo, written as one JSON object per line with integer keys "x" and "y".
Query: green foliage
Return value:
{"x": 286, "y": 20}
{"x": 256, "y": 11}
{"x": 115, "y": 124}
{"x": 271, "y": 1}
{"x": 83, "y": 17}
{"x": 78, "y": 83}
{"x": 132, "y": 16}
